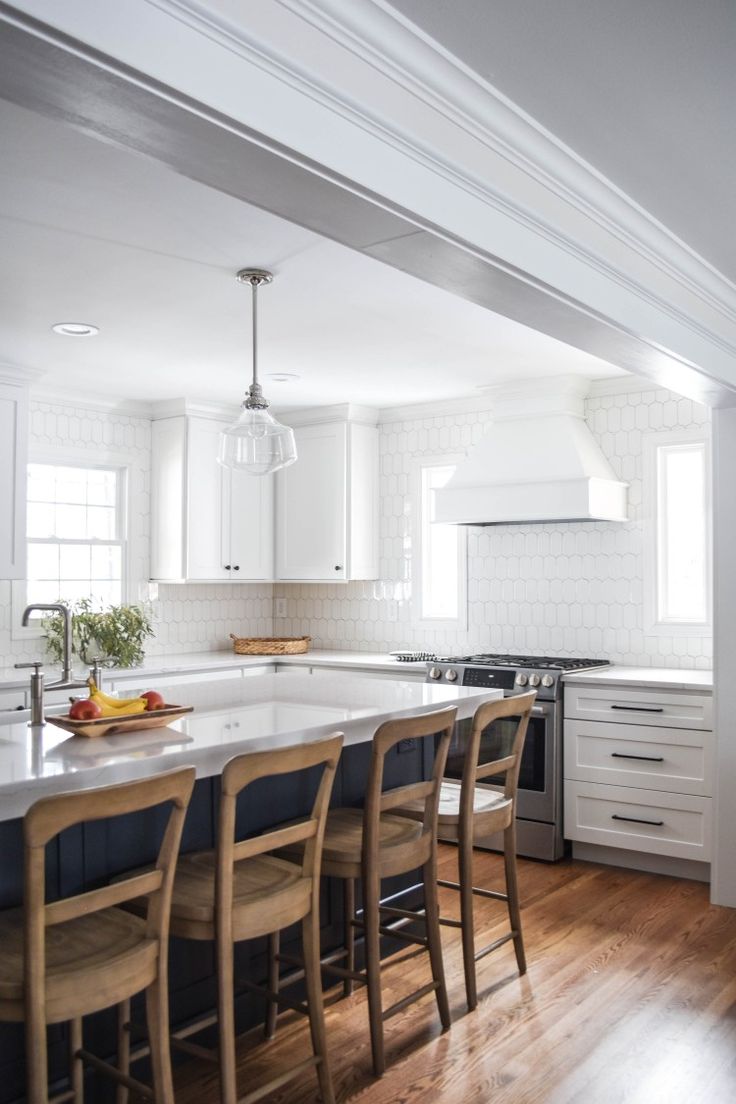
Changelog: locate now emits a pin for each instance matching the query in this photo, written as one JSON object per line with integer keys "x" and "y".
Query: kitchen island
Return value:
{"x": 231, "y": 717}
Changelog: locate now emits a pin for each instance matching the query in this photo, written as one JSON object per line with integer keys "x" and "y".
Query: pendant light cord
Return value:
{"x": 254, "y": 287}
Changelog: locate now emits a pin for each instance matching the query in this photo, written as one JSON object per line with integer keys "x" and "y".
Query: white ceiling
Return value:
{"x": 644, "y": 90}
{"x": 94, "y": 234}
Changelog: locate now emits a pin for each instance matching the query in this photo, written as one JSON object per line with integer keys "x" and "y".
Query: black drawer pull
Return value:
{"x": 640, "y": 708}
{"x": 638, "y": 820}
{"x": 644, "y": 758}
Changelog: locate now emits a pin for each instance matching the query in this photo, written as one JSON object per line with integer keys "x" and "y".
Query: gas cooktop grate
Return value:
{"x": 539, "y": 663}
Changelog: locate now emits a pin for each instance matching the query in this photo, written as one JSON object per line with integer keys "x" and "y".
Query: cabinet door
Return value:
{"x": 311, "y": 496}
{"x": 13, "y": 461}
{"x": 204, "y": 501}
{"x": 247, "y": 524}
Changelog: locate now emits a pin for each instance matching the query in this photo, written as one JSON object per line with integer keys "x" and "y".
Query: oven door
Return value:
{"x": 538, "y": 794}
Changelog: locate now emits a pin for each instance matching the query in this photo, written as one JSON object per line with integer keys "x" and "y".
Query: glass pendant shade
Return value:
{"x": 256, "y": 443}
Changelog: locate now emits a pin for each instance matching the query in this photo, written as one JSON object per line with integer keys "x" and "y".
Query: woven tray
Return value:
{"x": 270, "y": 645}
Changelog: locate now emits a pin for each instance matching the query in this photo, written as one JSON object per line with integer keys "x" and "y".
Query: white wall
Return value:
{"x": 186, "y": 618}
{"x": 563, "y": 589}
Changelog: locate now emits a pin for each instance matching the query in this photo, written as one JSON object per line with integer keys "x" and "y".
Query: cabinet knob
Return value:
{"x": 237, "y": 567}
{"x": 338, "y": 567}
{"x": 227, "y": 567}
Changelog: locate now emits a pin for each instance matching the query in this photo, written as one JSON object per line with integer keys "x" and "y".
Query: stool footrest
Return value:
{"x": 400, "y": 1005}
{"x": 111, "y": 1071}
{"x": 396, "y": 933}
{"x": 495, "y": 945}
{"x": 448, "y": 922}
{"x": 494, "y": 894}
{"x": 270, "y": 995}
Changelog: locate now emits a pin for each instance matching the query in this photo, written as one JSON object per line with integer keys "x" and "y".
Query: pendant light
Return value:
{"x": 256, "y": 443}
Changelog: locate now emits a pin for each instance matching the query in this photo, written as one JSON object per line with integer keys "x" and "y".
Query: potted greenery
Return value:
{"x": 115, "y": 634}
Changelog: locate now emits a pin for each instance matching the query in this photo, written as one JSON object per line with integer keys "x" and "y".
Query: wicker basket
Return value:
{"x": 270, "y": 645}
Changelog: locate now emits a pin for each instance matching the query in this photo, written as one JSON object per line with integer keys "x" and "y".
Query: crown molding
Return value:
{"x": 84, "y": 400}
{"x": 21, "y": 377}
{"x": 340, "y": 412}
{"x": 179, "y": 407}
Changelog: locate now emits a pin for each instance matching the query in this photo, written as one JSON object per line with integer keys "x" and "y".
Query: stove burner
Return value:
{"x": 539, "y": 663}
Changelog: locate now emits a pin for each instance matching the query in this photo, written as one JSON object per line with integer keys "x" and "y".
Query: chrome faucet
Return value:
{"x": 67, "y": 680}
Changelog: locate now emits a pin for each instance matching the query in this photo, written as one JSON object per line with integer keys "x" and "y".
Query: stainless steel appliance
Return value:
{"x": 539, "y": 810}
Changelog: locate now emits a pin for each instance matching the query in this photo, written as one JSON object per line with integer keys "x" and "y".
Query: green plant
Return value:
{"x": 115, "y": 634}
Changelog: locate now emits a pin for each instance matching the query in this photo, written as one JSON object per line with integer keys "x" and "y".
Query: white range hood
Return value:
{"x": 538, "y": 462}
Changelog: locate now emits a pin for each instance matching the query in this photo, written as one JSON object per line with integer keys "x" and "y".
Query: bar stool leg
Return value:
{"x": 371, "y": 919}
{"x": 274, "y": 945}
{"x": 465, "y": 864}
{"x": 226, "y": 1022}
{"x": 512, "y": 892}
{"x": 313, "y": 981}
{"x": 434, "y": 940}
{"x": 122, "y": 1093}
{"x": 157, "y": 1017}
{"x": 349, "y": 940}
{"x": 76, "y": 1067}
{"x": 37, "y": 1091}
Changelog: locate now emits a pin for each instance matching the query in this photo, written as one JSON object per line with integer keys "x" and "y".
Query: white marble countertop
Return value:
{"x": 11, "y": 679}
{"x": 231, "y": 716}
{"x": 658, "y": 678}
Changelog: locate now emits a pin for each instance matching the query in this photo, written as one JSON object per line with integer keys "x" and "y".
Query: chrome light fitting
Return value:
{"x": 256, "y": 443}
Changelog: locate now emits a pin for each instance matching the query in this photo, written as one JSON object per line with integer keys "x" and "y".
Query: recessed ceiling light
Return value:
{"x": 283, "y": 377}
{"x": 75, "y": 329}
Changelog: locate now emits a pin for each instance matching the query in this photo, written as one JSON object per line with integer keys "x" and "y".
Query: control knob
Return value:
{"x": 534, "y": 680}
{"x": 521, "y": 679}
{"x": 435, "y": 673}
{"x": 451, "y": 675}
{"x": 548, "y": 680}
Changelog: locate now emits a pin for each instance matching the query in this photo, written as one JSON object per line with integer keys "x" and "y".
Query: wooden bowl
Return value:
{"x": 130, "y": 722}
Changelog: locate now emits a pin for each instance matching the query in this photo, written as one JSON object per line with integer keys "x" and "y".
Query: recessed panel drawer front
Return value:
{"x": 678, "y": 760}
{"x": 668, "y": 708}
{"x": 639, "y": 820}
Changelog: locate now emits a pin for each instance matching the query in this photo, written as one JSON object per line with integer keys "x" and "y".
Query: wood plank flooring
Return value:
{"x": 630, "y": 998}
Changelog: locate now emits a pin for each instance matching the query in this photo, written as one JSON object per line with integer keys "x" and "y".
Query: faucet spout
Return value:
{"x": 66, "y": 657}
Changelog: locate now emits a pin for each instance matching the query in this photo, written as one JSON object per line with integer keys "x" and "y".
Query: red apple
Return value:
{"x": 153, "y": 700}
{"x": 84, "y": 709}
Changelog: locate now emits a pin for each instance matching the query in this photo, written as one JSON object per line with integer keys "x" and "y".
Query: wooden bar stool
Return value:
{"x": 371, "y": 844}
{"x": 469, "y": 812}
{"x": 240, "y": 891}
{"x": 60, "y": 961}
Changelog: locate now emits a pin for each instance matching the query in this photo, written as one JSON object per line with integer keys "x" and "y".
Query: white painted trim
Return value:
{"x": 439, "y": 408}
{"x": 83, "y": 400}
{"x": 436, "y": 624}
{"x": 13, "y": 373}
{"x": 340, "y": 412}
{"x": 651, "y": 443}
{"x": 176, "y": 408}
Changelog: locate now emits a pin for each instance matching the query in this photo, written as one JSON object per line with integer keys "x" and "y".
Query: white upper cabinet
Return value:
{"x": 208, "y": 524}
{"x": 327, "y": 504}
{"x": 13, "y": 463}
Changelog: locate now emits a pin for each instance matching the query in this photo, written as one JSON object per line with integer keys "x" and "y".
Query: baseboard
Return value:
{"x": 639, "y": 860}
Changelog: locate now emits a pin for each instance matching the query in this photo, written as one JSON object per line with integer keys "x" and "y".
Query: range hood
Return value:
{"x": 538, "y": 462}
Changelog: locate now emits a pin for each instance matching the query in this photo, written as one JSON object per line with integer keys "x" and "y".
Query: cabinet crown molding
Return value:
{"x": 341, "y": 412}
{"x": 14, "y": 373}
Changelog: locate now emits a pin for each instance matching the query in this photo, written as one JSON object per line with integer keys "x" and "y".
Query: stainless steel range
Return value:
{"x": 539, "y": 812}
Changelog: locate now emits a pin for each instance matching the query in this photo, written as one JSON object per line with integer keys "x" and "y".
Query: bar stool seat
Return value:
{"x": 89, "y": 963}
{"x": 491, "y": 809}
{"x": 343, "y": 846}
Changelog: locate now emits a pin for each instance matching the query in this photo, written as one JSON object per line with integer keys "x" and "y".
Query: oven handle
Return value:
{"x": 541, "y": 710}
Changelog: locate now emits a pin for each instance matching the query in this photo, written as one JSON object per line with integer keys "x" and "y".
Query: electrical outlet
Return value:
{"x": 279, "y": 607}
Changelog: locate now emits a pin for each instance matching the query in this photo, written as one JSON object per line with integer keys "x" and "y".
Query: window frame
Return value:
{"x": 436, "y": 624}
{"x": 80, "y": 458}
{"x": 653, "y": 442}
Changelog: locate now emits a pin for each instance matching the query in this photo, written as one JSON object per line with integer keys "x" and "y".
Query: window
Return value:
{"x": 680, "y": 587}
{"x": 440, "y": 560}
{"x": 75, "y": 534}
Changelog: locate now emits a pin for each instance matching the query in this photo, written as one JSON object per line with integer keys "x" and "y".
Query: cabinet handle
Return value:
{"x": 644, "y": 758}
{"x": 638, "y": 820}
{"x": 227, "y": 567}
{"x": 640, "y": 708}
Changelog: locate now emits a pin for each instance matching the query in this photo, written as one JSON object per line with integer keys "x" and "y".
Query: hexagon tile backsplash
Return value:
{"x": 567, "y": 589}
{"x": 573, "y": 589}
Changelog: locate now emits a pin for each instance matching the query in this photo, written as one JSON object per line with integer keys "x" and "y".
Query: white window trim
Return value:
{"x": 88, "y": 458}
{"x": 436, "y": 624}
{"x": 652, "y": 442}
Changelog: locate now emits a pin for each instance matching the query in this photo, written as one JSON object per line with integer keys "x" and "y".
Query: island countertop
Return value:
{"x": 231, "y": 716}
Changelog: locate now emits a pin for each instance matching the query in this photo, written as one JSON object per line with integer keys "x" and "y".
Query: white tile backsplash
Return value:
{"x": 561, "y": 589}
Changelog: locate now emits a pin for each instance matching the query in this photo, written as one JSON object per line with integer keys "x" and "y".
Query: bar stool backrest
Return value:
{"x": 51, "y": 815}
{"x": 438, "y": 724}
{"x": 518, "y": 705}
{"x": 240, "y": 773}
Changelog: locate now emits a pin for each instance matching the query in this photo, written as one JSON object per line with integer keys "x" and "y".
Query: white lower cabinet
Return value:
{"x": 13, "y": 473}
{"x": 638, "y": 770}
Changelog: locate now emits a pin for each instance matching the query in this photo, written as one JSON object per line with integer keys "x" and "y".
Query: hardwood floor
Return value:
{"x": 630, "y": 996}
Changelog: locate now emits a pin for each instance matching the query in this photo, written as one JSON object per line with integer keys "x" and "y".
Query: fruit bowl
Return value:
{"x": 131, "y": 722}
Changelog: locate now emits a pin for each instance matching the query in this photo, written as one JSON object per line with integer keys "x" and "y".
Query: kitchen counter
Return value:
{"x": 11, "y": 679}
{"x": 231, "y": 716}
{"x": 658, "y": 678}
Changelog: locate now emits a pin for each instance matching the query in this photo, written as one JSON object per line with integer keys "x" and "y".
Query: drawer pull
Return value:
{"x": 640, "y": 708}
{"x": 638, "y": 820}
{"x": 643, "y": 758}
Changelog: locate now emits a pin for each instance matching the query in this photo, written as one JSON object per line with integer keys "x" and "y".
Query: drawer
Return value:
{"x": 658, "y": 823}
{"x": 675, "y": 759}
{"x": 670, "y": 708}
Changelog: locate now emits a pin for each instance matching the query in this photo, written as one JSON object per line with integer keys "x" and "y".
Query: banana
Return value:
{"x": 115, "y": 706}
